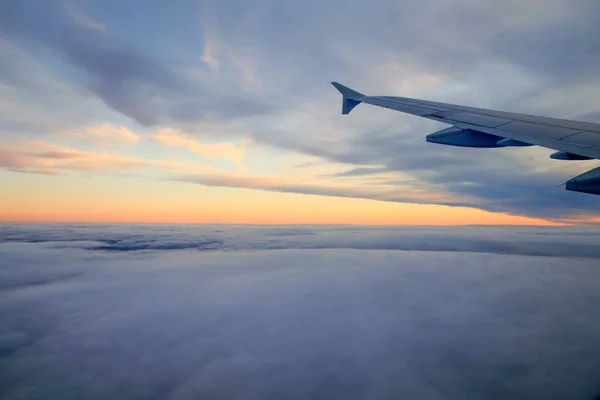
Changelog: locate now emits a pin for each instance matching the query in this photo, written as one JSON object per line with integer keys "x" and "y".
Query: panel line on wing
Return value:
{"x": 408, "y": 108}
{"x": 476, "y": 119}
{"x": 591, "y": 138}
{"x": 523, "y": 118}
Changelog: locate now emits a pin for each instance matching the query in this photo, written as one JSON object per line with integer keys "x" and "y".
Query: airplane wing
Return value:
{"x": 479, "y": 127}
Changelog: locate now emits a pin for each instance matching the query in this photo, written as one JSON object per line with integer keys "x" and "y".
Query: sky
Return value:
{"x": 177, "y": 312}
{"x": 221, "y": 111}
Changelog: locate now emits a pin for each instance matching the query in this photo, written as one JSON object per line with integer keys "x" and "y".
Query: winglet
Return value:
{"x": 351, "y": 98}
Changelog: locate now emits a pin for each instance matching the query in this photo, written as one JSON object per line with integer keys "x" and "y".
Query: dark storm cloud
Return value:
{"x": 321, "y": 322}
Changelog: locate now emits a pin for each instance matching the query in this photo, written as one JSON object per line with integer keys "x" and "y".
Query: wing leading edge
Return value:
{"x": 483, "y": 128}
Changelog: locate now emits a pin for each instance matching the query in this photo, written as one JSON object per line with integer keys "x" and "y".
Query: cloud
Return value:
{"x": 273, "y": 63}
{"x": 497, "y": 180}
{"x": 517, "y": 181}
{"x": 525, "y": 241}
{"x": 208, "y": 55}
{"x": 233, "y": 57}
{"x": 173, "y": 137}
{"x": 326, "y": 322}
{"x": 80, "y": 17}
{"x": 374, "y": 190}
{"x": 248, "y": 75}
{"x": 7, "y": 88}
{"x": 570, "y": 33}
{"x": 105, "y": 135}
{"x": 131, "y": 81}
{"x": 45, "y": 158}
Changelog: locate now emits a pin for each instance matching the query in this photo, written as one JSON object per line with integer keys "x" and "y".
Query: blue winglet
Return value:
{"x": 351, "y": 98}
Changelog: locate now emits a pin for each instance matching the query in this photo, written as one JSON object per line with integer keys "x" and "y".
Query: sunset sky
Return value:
{"x": 221, "y": 111}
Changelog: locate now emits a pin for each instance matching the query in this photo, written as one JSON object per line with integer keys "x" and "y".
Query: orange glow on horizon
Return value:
{"x": 174, "y": 202}
{"x": 92, "y": 216}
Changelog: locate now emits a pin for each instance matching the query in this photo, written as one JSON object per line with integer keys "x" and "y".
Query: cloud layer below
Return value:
{"x": 321, "y": 317}
{"x": 529, "y": 241}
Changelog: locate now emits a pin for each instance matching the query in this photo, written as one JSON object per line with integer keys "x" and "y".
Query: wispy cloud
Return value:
{"x": 245, "y": 68}
{"x": 385, "y": 189}
{"x": 208, "y": 56}
{"x": 80, "y": 17}
{"x": 6, "y": 88}
{"x": 233, "y": 57}
{"x": 105, "y": 135}
{"x": 45, "y": 158}
{"x": 225, "y": 150}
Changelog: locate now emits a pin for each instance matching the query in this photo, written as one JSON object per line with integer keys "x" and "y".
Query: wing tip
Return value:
{"x": 350, "y": 97}
{"x": 347, "y": 92}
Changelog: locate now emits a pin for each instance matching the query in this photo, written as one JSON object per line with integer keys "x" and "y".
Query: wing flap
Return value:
{"x": 591, "y": 138}
{"x": 554, "y": 132}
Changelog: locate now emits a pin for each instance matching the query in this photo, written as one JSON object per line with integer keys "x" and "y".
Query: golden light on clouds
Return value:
{"x": 104, "y": 135}
{"x": 108, "y": 186}
{"x": 45, "y": 158}
{"x": 225, "y": 150}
